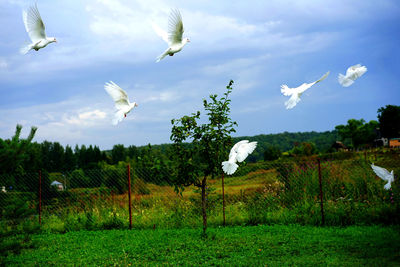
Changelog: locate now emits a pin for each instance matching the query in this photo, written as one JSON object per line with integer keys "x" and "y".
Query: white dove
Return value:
{"x": 35, "y": 28}
{"x": 174, "y": 35}
{"x": 295, "y": 93}
{"x": 121, "y": 100}
{"x": 352, "y": 73}
{"x": 239, "y": 153}
{"x": 384, "y": 175}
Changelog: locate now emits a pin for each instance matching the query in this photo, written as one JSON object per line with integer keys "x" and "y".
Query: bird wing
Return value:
{"x": 322, "y": 78}
{"x": 119, "y": 96}
{"x": 34, "y": 24}
{"x": 233, "y": 151}
{"x": 352, "y": 69}
{"x": 244, "y": 150}
{"x": 382, "y": 172}
{"x": 358, "y": 71}
{"x": 286, "y": 91}
{"x": 175, "y": 27}
{"x": 292, "y": 102}
{"x": 163, "y": 34}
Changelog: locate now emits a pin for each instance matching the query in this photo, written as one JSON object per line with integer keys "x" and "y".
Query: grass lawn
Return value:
{"x": 231, "y": 246}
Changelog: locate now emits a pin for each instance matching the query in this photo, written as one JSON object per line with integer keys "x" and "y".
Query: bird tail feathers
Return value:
{"x": 293, "y": 100}
{"x": 345, "y": 82}
{"x": 163, "y": 55}
{"x": 25, "y": 49}
{"x": 229, "y": 167}
{"x": 119, "y": 115}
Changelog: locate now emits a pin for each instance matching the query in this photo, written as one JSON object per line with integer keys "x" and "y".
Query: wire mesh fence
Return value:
{"x": 314, "y": 191}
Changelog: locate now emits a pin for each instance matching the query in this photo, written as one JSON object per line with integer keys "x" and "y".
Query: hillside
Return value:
{"x": 285, "y": 141}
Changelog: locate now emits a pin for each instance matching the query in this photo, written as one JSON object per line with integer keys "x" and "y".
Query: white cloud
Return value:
{"x": 3, "y": 64}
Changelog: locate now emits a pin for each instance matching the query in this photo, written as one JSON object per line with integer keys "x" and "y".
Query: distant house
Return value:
{"x": 381, "y": 142}
{"x": 394, "y": 142}
{"x": 59, "y": 186}
{"x": 339, "y": 146}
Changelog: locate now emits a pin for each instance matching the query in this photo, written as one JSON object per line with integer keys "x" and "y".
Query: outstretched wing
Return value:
{"x": 381, "y": 172}
{"x": 175, "y": 27}
{"x": 34, "y": 24}
{"x": 244, "y": 150}
{"x": 119, "y": 96}
{"x": 322, "y": 78}
{"x": 286, "y": 91}
{"x": 163, "y": 34}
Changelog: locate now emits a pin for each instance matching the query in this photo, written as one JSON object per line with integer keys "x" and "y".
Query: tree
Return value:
{"x": 118, "y": 153}
{"x": 272, "y": 153}
{"x": 358, "y": 131}
{"x": 304, "y": 149}
{"x": 12, "y": 152}
{"x": 69, "y": 159}
{"x": 389, "y": 121}
{"x": 210, "y": 143}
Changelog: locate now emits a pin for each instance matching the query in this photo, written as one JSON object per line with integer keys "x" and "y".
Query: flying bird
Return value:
{"x": 239, "y": 153}
{"x": 174, "y": 36}
{"x": 121, "y": 100}
{"x": 352, "y": 73}
{"x": 384, "y": 175}
{"x": 295, "y": 93}
{"x": 35, "y": 28}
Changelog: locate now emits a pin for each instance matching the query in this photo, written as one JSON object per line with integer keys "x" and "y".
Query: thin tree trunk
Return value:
{"x": 203, "y": 201}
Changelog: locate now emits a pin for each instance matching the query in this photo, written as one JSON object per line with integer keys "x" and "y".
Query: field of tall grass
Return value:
{"x": 262, "y": 193}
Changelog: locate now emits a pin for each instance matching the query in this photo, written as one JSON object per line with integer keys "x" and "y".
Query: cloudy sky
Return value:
{"x": 259, "y": 44}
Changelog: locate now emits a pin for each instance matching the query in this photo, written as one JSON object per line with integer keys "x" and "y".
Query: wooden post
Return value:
{"x": 129, "y": 195}
{"x": 40, "y": 197}
{"x": 320, "y": 192}
{"x": 223, "y": 198}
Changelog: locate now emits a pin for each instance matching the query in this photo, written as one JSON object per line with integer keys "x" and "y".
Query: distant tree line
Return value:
{"x": 23, "y": 155}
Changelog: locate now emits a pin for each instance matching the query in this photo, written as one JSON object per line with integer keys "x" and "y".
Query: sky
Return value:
{"x": 258, "y": 44}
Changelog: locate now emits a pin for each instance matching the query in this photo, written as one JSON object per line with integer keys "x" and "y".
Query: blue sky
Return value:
{"x": 258, "y": 44}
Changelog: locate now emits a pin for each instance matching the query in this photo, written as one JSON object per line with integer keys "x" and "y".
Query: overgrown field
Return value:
{"x": 262, "y": 245}
{"x": 261, "y": 193}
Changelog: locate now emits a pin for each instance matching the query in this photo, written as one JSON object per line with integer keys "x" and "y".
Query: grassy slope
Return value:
{"x": 248, "y": 246}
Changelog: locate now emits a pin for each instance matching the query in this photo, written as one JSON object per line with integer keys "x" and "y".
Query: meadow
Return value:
{"x": 285, "y": 192}
{"x": 262, "y": 245}
{"x": 273, "y": 210}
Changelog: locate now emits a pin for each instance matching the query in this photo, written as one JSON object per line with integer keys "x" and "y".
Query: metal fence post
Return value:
{"x": 223, "y": 198}
{"x": 129, "y": 195}
{"x": 320, "y": 192}
{"x": 40, "y": 197}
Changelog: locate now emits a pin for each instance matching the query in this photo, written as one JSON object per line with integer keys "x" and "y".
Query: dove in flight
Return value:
{"x": 121, "y": 100}
{"x": 384, "y": 175}
{"x": 35, "y": 28}
{"x": 239, "y": 153}
{"x": 174, "y": 36}
{"x": 352, "y": 74}
{"x": 295, "y": 93}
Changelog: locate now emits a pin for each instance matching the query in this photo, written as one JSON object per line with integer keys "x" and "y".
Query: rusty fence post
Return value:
{"x": 129, "y": 195}
{"x": 40, "y": 197}
{"x": 223, "y": 199}
{"x": 320, "y": 192}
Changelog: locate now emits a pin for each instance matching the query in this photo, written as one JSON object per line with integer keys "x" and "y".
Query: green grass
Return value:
{"x": 231, "y": 246}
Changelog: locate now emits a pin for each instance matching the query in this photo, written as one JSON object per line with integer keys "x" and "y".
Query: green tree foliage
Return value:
{"x": 389, "y": 121}
{"x": 118, "y": 153}
{"x": 358, "y": 131}
{"x": 304, "y": 149}
{"x": 272, "y": 153}
{"x": 13, "y": 152}
{"x": 210, "y": 143}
